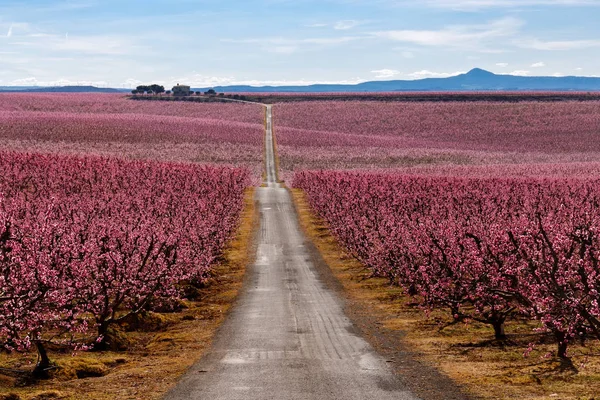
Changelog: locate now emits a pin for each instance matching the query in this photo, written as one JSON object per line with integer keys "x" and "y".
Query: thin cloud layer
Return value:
{"x": 458, "y": 36}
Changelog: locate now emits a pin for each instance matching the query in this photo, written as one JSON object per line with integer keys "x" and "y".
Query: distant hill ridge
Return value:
{"x": 475, "y": 80}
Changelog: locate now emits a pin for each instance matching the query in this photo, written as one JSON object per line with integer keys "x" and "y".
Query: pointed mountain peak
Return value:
{"x": 478, "y": 72}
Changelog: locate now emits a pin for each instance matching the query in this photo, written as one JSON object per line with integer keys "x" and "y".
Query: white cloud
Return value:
{"x": 342, "y": 25}
{"x": 408, "y": 54}
{"x": 107, "y": 45}
{"x": 329, "y": 41}
{"x": 385, "y": 73}
{"x": 35, "y": 39}
{"x": 540, "y": 64}
{"x": 25, "y": 82}
{"x": 429, "y": 74}
{"x": 200, "y": 80}
{"x": 520, "y": 72}
{"x": 503, "y": 65}
{"x": 131, "y": 82}
{"x": 578, "y": 69}
{"x": 33, "y": 81}
{"x": 558, "y": 45}
{"x": 346, "y": 24}
{"x": 282, "y": 45}
{"x": 558, "y": 74}
{"x": 301, "y": 82}
{"x": 41, "y": 35}
{"x": 283, "y": 49}
{"x": 458, "y": 36}
{"x": 17, "y": 27}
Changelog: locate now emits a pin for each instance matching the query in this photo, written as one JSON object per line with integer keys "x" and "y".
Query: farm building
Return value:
{"x": 181, "y": 90}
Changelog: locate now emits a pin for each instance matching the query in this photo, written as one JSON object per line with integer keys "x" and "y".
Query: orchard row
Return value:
{"x": 85, "y": 242}
{"x": 483, "y": 249}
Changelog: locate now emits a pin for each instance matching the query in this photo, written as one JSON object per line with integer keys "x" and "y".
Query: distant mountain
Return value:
{"x": 59, "y": 89}
{"x": 475, "y": 80}
{"x": 15, "y": 88}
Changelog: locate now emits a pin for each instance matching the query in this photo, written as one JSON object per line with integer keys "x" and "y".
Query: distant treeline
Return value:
{"x": 199, "y": 97}
{"x": 419, "y": 97}
{"x": 149, "y": 89}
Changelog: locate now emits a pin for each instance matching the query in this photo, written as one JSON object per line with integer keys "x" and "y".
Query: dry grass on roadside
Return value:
{"x": 466, "y": 353}
{"x": 155, "y": 360}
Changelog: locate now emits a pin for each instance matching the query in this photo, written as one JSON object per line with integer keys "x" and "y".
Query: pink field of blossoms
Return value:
{"x": 86, "y": 103}
{"x": 490, "y": 211}
{"x": 86, "y": 241}
{"x": 111, "y": 125}
{"x": 366, "y": 135}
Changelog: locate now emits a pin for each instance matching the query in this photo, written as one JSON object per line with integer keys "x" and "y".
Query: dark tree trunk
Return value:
{"x": 562, "y": 345}
{"x": 499, "y": 333}
{"x": 44, "y": 364}
{"x": 562, "y": 350}
{"x": 102, "y": 332}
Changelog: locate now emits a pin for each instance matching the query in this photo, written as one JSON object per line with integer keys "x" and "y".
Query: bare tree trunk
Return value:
{"x": 499, "y": 333}
{"x": 562, "y": 345}
{"x": 102, "y": 332}
{"x": 44, "y": 364}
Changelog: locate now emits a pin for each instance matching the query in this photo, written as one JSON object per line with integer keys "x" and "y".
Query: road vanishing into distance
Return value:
{"x": 287, "y": 337}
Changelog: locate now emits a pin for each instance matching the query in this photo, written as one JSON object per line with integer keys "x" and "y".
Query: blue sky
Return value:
{"x": 122, "y": 43}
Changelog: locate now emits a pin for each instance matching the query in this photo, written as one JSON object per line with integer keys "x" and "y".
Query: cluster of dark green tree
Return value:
{"x": 149, "y": 89}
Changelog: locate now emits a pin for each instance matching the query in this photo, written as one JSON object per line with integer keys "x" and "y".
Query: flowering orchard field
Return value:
{"x": 111, "y": 125}
{"x": 86, "y": 103}
{"x": 329, "y": 134}
{"x": 486, "y": 249}
{"x": 473, "y": 126}
{"x": 413, "y": 97}
{"x": 86, "y": 241}
{"x": 126, "y": 128}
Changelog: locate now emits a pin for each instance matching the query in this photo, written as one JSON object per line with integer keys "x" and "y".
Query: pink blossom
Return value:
{"x": 85, "y": 240}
